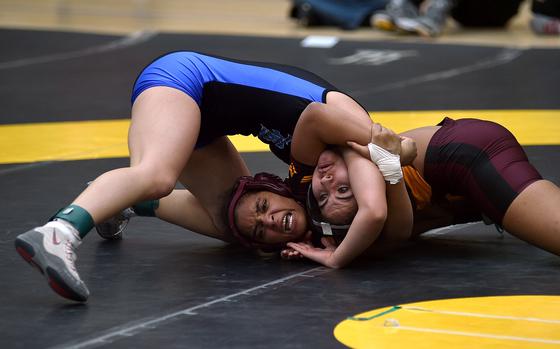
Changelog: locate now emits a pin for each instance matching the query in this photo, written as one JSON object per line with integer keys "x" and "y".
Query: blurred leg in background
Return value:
{"x": 546, "y": 17}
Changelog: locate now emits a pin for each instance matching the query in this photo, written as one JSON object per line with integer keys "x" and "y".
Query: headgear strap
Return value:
{"x": 319, "y": 226}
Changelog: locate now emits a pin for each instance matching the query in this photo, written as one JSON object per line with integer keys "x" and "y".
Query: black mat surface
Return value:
{"x": 433, "y": 77}
{"x": 166, "y": 287}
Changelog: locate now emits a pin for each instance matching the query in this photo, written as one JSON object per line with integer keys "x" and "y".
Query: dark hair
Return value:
{"x": 247, "y": 184}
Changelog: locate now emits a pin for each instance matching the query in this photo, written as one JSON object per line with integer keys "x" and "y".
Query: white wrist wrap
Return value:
{"x": 389, "y": 164}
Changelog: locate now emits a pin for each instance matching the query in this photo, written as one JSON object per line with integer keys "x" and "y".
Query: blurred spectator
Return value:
{"x": 428, "y": 18}
{"x": 546, "y": 17}
{"x": 346, "y": 14}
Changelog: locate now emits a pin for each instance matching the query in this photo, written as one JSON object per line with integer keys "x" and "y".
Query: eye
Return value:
{"x": 262, "y": 206}
{"x": 323, "y": 196}
{"x": 260, "y": 233}
{"x": 265, "y": 205}
{"x": 343, "y": 189}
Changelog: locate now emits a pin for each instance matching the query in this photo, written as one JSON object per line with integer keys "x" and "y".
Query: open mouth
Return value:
{"x": 287, "y": 222}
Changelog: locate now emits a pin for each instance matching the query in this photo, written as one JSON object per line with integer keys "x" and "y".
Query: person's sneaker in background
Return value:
{"x": 431, "y": 23}
{"x": 545, "y": 25}
{"x": 385, "y": 19}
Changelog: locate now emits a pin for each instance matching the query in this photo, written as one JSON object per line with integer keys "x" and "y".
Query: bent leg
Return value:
{"x": 209, "y": 176}
{"x": 534, "y": 216}
{"x": 163, "y": 132}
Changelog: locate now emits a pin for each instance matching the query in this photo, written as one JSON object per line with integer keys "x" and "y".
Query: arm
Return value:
{"x": 398, "y": 226}
{"x": 369, "y": 190}
{"x": 321, "y": 124}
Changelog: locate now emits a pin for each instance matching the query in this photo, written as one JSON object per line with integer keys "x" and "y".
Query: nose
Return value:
{"x": 326, "y": 179}
{"x": 267, "y": 220}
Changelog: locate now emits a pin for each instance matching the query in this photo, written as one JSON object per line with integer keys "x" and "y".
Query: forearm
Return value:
{"x": 361, "y": 235}
{"x": 369, "y": 191}
{"x": 398, "y": 226}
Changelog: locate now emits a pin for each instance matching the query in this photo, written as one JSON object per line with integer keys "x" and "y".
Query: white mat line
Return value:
{"x": 477, "y": 334}
{"x": 132, "y": 329}
{"x": 504, "y": 57}
{"x": 489, "y": 316}
{"x": 129, "y": 40}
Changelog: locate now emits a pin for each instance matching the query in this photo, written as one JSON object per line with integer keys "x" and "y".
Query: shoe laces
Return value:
{"x": 70, "y": 255}
{"x": 402, "y": 9}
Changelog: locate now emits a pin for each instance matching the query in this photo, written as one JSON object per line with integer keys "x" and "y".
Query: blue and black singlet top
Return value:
{"x": 238, "y": 97}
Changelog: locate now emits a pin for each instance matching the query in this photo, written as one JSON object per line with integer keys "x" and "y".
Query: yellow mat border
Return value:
{"x": 81, "y": 140}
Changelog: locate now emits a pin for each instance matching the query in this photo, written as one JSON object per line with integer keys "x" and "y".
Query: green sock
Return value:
{"x": 78, "y": 217}
{"x": 146, "y": 208}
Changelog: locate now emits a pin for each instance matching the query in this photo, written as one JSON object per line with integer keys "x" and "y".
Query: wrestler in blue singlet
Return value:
{"x": 236, "y": 97}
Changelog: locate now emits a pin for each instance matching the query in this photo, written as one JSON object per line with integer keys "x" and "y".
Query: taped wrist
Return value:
{"x": 389, "y": 164}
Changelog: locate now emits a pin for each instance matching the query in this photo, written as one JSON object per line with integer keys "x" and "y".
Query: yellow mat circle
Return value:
{"x": 482, "y": 322}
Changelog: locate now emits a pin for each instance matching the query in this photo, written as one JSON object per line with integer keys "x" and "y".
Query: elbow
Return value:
{"x": 376, "y": 214}
{"x": 407, "y": 227}
{"x": 380, "y": 217}
{"x": 403, "y": 236}
{"x": 335, "y": 265}
{"x": 399, "y": 233}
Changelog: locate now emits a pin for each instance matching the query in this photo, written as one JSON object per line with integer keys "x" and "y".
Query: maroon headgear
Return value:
{"x": 260, "y": 182}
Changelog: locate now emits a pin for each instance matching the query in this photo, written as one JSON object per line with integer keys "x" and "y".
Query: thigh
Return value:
{"x": 211, "y": 173}
{"x": 164, "y": 129}
{"x": 345, "y": 102}
{"x": 534, "y": 216}
{"x": 481, "y": 161}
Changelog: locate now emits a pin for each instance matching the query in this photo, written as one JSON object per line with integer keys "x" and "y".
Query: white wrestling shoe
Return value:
{"x": 113, "y": 228}
{"x": 51, "y": 249}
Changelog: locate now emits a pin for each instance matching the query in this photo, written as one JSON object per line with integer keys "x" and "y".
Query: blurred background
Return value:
{"x": 244, "y": 17}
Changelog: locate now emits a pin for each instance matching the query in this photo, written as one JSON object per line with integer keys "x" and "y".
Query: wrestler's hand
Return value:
{"x": 385, "y": 138}
{"x": 408, "y": 150}
{"x": 290, "y": 254}
{"x": 360, "y": 149}
{"x": 319, "y": 255}
{"x": 381, "y": 136}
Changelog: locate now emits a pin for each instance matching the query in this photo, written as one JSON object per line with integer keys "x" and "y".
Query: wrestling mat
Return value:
{"x": 64, "y": 113}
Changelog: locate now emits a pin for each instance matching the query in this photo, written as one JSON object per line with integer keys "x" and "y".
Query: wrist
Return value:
{"x": 389, "y": 164}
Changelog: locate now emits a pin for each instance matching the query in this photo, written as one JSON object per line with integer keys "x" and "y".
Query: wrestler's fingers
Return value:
{"x": 358, "y": 148}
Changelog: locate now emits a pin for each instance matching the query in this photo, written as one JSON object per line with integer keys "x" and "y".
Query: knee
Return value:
{"x": 162, "y": 186}
{"x": 158, "y": 184}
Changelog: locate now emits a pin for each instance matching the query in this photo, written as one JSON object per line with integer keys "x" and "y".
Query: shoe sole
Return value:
{"x": 26, "y": 250}
{"x": 412, "y": 27}
{"x": 384, "y": 24}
